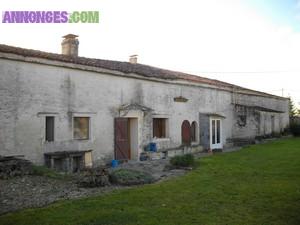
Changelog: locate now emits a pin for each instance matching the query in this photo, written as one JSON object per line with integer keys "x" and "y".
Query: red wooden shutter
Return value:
{"x": 186, "y": 132}
{"x": 193, "y": 131}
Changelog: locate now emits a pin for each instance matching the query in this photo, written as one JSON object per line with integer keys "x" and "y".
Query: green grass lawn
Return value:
{"x": 258, "y": 185}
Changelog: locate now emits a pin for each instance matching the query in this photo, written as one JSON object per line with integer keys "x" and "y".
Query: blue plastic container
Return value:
{"x": 114, "y": 163}
{"x": 153, "y": 147}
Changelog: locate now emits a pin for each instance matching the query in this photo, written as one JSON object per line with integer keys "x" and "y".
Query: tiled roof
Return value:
{"x": 125, "y": 67}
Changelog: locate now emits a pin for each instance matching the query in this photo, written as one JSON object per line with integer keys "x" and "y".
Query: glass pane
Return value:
{"x": 81, "y": 127}
{"x": 218, "y": 131}
{"x": 49, "y": 128}
{"x": 213, "y": 127}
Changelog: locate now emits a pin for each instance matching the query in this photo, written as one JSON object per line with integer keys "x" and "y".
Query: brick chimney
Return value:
{"x": 133, "y": 59}
{"x": 69, "y": 45}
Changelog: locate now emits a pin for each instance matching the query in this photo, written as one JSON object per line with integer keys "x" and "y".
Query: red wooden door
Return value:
{"x": 186, "y": 132}
{"x": 122, "y": 144}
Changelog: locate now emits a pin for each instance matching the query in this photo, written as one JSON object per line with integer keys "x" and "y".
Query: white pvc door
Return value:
{"x": 215, "y": 134}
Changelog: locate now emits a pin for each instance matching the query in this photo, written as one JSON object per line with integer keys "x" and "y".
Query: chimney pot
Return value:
{"x": 69, "y": 45}
{"x": 133, "y": 59}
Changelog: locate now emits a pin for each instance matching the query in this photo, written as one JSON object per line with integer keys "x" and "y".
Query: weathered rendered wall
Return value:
{"x": 29, "y": 92}
{"x": 258, "y": 123}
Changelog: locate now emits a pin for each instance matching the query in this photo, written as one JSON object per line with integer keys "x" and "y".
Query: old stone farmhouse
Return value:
{"x": 69, "y": 111}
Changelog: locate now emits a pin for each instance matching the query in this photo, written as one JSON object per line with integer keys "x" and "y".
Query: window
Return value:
{"x": 81, "y": 128}
{"x": 218, "y": 130}
{"x": 193, "y": 131}
{"x": 159, "y": 127}
{"x": 49, "y": 128}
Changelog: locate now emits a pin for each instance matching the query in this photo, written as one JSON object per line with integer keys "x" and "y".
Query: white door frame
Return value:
{"x": 215, "y": 145}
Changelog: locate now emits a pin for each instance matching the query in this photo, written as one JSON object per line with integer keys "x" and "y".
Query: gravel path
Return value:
{"x": 156, "y": 168}
{"x": 37, "y": 191}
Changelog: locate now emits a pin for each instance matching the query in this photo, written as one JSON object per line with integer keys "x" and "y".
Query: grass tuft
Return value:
{"x": 47, "y": 172}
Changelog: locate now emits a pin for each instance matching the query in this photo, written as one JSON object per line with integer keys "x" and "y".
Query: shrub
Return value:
{"x": 286, "y": 131}
{"x": 47, "y": 172}
{"x": 183, "y": 160}
{"x": 295, "y": 129}
{"x": 93, "y": 177}
{"x": 130, "y": 177}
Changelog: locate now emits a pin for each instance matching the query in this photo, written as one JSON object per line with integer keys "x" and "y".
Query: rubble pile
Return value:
{"x": 94, "y": 177}
{"x": 11, "y": 167}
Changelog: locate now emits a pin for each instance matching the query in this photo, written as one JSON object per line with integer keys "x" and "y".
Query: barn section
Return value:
{"x": 58, "y": 104}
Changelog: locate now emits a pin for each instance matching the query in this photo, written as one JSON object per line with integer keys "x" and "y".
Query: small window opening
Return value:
{"x": 81, "y": 129}
{"x": 159, "y": 127}
{"x": 49, "y": 128}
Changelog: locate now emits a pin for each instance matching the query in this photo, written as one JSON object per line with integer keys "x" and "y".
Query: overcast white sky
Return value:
{"x": 252, "y": 43}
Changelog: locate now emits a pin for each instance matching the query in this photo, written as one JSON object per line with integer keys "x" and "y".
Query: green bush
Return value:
{"x": 183, "y": 160}
{"x": 130, "y": 177}
{"x": 47, "y": 172}
{"x": 295, "y": 129}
